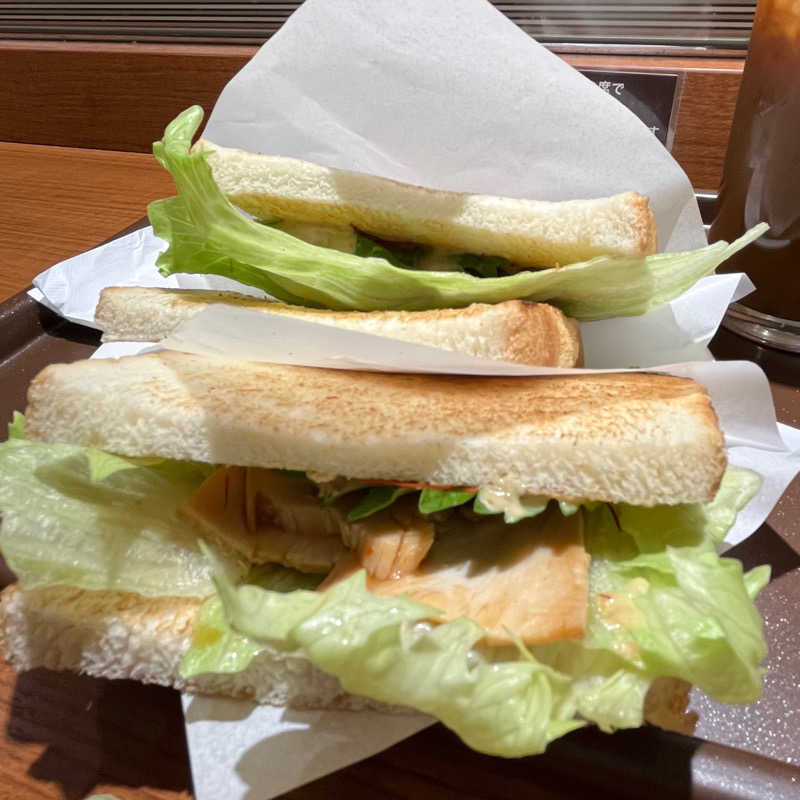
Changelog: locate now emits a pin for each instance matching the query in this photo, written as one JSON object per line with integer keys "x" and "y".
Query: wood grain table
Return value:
{"x": 111, "y": 736}
{"x": 64, "y": 736}
{"x": 56, "y": 202}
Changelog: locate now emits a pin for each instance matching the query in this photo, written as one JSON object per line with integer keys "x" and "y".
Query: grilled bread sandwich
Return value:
{"x": 516, "y": 556}
{"x": 320, "y": 237}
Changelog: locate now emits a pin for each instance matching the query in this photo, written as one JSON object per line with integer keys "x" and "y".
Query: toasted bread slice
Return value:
{"x": 633, "y": 438}
{"x": 515, "y": 331}
{"x": 529, "y": 233}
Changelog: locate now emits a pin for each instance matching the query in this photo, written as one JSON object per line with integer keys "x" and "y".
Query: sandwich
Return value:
{"x": 315, "y": 236}
{"x": 516, "y": 556}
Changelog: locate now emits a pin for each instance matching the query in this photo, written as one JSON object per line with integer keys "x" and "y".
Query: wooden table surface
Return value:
{"x": 57, "y": 202}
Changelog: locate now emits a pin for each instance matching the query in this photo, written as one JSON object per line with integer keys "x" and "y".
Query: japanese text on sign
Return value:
{"x": 651, "y": 96}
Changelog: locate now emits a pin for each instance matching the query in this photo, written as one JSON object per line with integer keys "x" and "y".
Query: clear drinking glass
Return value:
{"x": 761, "y": 180}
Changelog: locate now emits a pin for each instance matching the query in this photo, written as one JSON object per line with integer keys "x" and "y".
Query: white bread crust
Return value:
{"x": 110, "y": 634}
{"x": 529, "y": 233}
{"x": 515, "y": 331}
{"x": 634, "y": 438}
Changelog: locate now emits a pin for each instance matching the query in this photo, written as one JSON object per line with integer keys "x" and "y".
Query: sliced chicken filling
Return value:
{"x": 274, "y": 517}
{"x": 528, "y": 580}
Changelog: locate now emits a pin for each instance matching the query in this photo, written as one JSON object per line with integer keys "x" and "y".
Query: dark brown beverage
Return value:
{"x": 761, "y": 181}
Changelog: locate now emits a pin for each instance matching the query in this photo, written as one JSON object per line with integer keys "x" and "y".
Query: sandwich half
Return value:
{"x": 313, "y": 236}
{"x": 518, "y": 557}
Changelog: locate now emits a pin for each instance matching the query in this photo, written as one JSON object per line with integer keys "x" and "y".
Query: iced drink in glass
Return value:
{"x": 761, "y": 180}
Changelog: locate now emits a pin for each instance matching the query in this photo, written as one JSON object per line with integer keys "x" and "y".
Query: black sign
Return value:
{"x": 651, "y": 96}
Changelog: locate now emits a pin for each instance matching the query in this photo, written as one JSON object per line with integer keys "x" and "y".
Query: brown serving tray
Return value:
{"x": 749, "y": 752}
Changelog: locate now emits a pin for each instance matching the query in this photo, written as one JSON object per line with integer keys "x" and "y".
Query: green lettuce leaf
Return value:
{"x": 16, "y": 428}
{"x": 433, "y": 500}
{"x": 691, "y": 523}
{"x": 330, "y": 496}
{"x": 482, "y": 266}
{"x": 278, "y": 578}
{"x": 698, "y": 622}
{"x": 102, "y": 464}
{"x": 380, "y": 497}
{"x": 376, "y": 499}
{"x": 408, "y": 257}
{"x": 73, "y": 518}
{"x": 206, "y": 234}
{"x": 215, "y": 646}
{"x": 381, "y": 647}
{"x": 666, "y": 604}
{"x": 607, "y": 690}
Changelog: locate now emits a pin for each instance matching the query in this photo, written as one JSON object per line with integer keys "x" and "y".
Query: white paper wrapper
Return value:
{"x": 449, "y": 95}
{"x": 231, "y": 733}
{"x": 72, "y": 288}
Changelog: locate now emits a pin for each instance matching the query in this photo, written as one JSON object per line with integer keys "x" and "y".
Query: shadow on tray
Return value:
{"x": 99, "y": 732}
